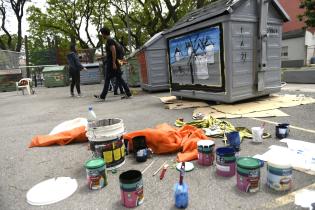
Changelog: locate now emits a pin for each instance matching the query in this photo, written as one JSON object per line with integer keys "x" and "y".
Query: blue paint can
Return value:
{"x": 282, "y": 130}
{"x": 181, "y": 195}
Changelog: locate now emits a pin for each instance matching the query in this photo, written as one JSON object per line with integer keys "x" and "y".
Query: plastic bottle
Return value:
{"x": 91, "y": 116}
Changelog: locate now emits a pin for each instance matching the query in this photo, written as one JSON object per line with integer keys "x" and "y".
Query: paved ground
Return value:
{"x": 22, "y": 117}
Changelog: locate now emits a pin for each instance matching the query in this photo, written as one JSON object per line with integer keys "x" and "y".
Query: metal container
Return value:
{"x": 92, "y": 75}
{"x": 227, "y": 51}
{"x": 56, "y": 76}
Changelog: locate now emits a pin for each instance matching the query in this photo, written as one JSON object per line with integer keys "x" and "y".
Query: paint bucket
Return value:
{"x": 140, "y": 148}
{"x": 257, "y": 133}
{"x": 96, "y": 173}
{"x": 282, "y": 130}
{"x": 181, "y": 195}
{"x": 205, "y": 152}
{"x": 279, "y": 175}
{"x": 234, "y": 140}
{"x": 248, "y": 174}
{"x": 225, "y": 158}
{"x": 131, "y": 188}
{"x": 106, "y": 141}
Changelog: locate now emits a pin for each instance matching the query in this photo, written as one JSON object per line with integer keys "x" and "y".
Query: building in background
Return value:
{"x": 298, "y": 45}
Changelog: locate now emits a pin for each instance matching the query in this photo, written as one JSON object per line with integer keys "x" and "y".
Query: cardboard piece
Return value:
{"x": 168, "y": 99}
{"x": 270, "y": 103}
{"x": 172, "y": 103}
{"x": 219, "y": 115}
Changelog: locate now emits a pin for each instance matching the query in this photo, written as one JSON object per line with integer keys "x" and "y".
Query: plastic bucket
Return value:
{"x": 96, "y": 173}
{"x": 131, "y": 188}
{"x": 248, "y": 174}
{"x": 225, "y": 161}
{"x": 106, "y": 141}
{"x": 279, "y": 175}
{"x": 282, "y": 131}
{"x": 257, "y": 133}
{"x": 205, "y": 152}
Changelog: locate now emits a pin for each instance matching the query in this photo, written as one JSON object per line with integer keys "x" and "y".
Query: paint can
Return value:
{"x": 96, "y": 173}
{"x": 234, "y": 140}
{"x": 282, "y": 130}
{"x": 140, "y": 148}
{"x": 225, "y": 161}
{"x": 205, "y": 152}
{"x": 131, "y": 188}
{"x": 106, "y": 141}
{"x": 181, "y": 195}
{"x": 257, "y": 133}
{"x": 279, "y": 175}
{"x": 248, "y": 174}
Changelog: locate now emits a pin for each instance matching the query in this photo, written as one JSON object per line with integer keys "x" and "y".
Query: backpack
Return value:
{"x": 120, "y": 51}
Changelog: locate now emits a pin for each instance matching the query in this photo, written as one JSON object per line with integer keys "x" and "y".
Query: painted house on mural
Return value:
{"x": 298, "y": 44}
{"x": 228, "y": 51}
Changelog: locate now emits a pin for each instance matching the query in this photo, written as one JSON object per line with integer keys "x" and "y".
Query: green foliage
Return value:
{"x": 309, "y": 15}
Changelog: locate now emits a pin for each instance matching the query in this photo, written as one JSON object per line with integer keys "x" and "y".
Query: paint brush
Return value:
{"x": 163, "y": 171}
{"x": 181, "y": 173}
{"x": 157, "y": 171}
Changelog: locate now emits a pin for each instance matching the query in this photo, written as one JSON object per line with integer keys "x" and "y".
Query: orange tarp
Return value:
{"x": 62, "y": 138}
{"x": 167, "y": 139}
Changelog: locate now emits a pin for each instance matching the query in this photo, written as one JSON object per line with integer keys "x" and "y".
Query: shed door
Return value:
{"x": 196, "y": 60}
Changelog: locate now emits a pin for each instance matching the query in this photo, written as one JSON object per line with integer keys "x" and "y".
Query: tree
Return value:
{"x": 309, "y": 15}
{"x": 68, "y": 17}
{"x": 18, "y": 8}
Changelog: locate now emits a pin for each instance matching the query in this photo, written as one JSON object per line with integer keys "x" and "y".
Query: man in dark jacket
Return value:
{"x": 112, "y": 66}
{"x": 74, "y": 69}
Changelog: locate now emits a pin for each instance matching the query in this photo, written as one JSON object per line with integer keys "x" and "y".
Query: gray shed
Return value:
{"x": 152, "y": 58}
{"x": 227, "y": 51}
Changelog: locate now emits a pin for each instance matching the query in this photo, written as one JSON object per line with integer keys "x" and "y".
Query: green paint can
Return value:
{"x": 96, "y": 173}
{"x": 248, "y": 174}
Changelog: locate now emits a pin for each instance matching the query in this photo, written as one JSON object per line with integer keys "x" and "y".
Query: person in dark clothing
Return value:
{"x": 74, "y": 69}
{"x": 112, "y": 67}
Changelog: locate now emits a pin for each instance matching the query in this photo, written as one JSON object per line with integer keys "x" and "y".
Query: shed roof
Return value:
{"x": 218, "y": 8}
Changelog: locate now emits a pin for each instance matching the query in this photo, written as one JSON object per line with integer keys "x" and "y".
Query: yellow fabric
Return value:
{"x": 225, "y": 126}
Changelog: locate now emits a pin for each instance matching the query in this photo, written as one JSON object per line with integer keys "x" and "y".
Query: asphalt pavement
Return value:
{"x": 23, "y": 117}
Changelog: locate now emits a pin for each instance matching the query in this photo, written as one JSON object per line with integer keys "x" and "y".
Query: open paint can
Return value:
{"x": 248, "y": 174}
{"x": 96, "y": 173}
{"x": 225, "y": 161}
{"x": 279, "y": 175}
{"x": 140, "y": 148}
{"x": 282, "y": 130}
{"x": 131, "y": 188}
{"x": 205, "y": 152}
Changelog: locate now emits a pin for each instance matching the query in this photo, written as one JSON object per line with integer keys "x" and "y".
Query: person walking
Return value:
{"x": 113, "y": 53}
{"x": 74, "y": 69}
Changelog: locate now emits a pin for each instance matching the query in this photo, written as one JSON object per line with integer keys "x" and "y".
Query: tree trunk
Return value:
{"x": 19, "y": 38}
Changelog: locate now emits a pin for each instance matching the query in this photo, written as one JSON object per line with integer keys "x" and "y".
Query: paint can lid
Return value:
{"x": 51, "y": 191}
{"x": 248, "y": 163}
{"x": 225, "y": 151}
{"x": 189, "y": 166}
{"x": 94, "y": 163}
{"x": 279, "y": 163}
{"x": 205, "y": 143}
{"x": 130, "y": 177}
